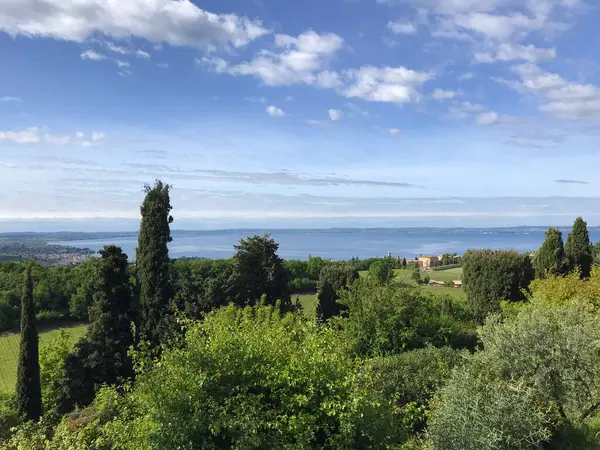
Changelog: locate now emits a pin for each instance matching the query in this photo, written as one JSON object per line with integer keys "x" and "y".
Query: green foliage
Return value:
{"x": 101, "y": 357}
{"x": 549, "y": 260}
{"x": 53, "y": 355}
{"x": 29, "y": 392}
{"x": 416, "y": 275}
{"x": 537, "y": 379}
{"x": 303, "y": 285}
{"x": 492, "y": 276}
{"x": 315, "y": 266}
{"x": 152, "y": 263}
{"x": 82, "y": 299}
{"x": 333, "y": 279}
{"x": 258, "y": 271}
{"x": 250, "y": 378}
{"x": 596, "y": 253}
{"x": 201, "y": 285}
{"x": 578, "y": 250}
{"x": 388, "y": 319}
{"x": 411, "y": 379}
{"x": 558, "y": 290}
{"x": 381, "y": 271}
{"x": 8, "y": 416}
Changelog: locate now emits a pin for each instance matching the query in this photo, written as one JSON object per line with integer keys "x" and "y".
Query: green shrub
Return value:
{"x": 537, "y": 380}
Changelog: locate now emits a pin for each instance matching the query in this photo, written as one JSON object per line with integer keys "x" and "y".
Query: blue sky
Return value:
{"x": 299, "y": 114}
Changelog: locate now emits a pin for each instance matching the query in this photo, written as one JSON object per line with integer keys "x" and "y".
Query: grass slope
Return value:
{"x": 9, "y": 353}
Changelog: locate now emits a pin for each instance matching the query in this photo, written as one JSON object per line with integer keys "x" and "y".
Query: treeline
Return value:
{"x": 380, "y": 366}
{"x": 199, "y": 285}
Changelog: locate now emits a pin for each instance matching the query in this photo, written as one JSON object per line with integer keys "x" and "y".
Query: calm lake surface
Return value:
{"x": 346, "y": 243}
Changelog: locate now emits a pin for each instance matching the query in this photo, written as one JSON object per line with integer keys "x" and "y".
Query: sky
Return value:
{"x": 281, "y": 114}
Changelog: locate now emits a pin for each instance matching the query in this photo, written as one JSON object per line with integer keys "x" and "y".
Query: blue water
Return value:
{"x": 344, "y": 244}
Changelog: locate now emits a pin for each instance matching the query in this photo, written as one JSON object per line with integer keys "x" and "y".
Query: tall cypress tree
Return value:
{"x": 152, "y": 263}
{"x": 29, "y": 391}
{"x": 100, "y": 357}
{"x": 550, "y": 258}
{"x": 578, "y": 249}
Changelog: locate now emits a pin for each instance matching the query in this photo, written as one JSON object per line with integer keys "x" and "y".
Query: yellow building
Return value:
{"x": 426, "y": 262}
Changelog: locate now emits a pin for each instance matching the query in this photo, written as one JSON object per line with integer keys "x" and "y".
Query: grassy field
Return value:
{"x": 9, "y": 353}
{"x": 446, "y": 275}
{"x": 308, "y": 302}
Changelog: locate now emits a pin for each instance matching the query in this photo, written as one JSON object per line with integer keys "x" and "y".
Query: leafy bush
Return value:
{"x": 537, "y": 380}
{"x": 411, "y": 379}
{"x": 246, "y": 378}
{"x": 8, "y": 416}
{"x": 303, "y": 285}
{"x": 492, "y": 276}
{"x": 390, "y": 319}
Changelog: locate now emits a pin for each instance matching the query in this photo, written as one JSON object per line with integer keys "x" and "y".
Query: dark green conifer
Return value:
{"x": 550, "y": 258}
{"x": 578, "y": 249}
{"x": 29, "y": 391}
{"x": 101, "y": 356}
{"x": 152, "y": 263}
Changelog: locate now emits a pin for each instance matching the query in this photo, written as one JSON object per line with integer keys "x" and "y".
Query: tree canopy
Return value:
{"x": 492, "y": 276}
{"x": 550, "y": 258}
{"x": 578, "y": 250}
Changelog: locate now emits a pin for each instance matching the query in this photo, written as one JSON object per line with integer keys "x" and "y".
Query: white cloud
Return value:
{"x": 303, "y": 60}
{"x": 142, "y": 54}
{"x": 122, "y": 64}
{"x": 179, "y": 23}
{"x": 488, "y": 118}
{"x": 441, "y": 94}
{"x": 163, "y": 65}
{"x": 335, "y": 114}
{"x": 402, "y": 27}
{"x": 116, "y": 48}
{"x": 385, "y": 84}
{"x": 9, "y": 165}
{"x": 462, "y": 110}
{"x": 274, "y": 111}
{"x": 513, "y": 52}
{"x": 92, "y": 55}
{"x": 468, "y": 106}
{"x": 10, "y": 99}
{"x": 35, "y": 135}
{"x": 299, "y": 60}
{"x": 316, "y": 122}
{"x": 466, "y": 76}
{"x": 559, "y": 96}
{"x": 27, "y": 136}
{"x": 98, "y": 136}
{"x": 394, "y": 131}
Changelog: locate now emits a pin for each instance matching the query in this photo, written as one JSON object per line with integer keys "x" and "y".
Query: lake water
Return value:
{"x": 345, "y": 244}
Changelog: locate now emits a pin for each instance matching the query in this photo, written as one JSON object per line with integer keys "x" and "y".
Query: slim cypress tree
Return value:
{"x": 152, "y": 262}
{"x": 100, "y": 358}
{"x": 29, "y": 391}
{"x": 550, "y": 258}
{"x": 578, "y": 249}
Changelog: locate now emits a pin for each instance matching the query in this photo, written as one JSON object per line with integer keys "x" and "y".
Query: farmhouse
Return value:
{"x": 426, "y": 262}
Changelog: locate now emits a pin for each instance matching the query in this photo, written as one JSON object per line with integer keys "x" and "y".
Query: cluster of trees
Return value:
{"x": 556, "y": 258}
{"x": 213, "y": 354}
